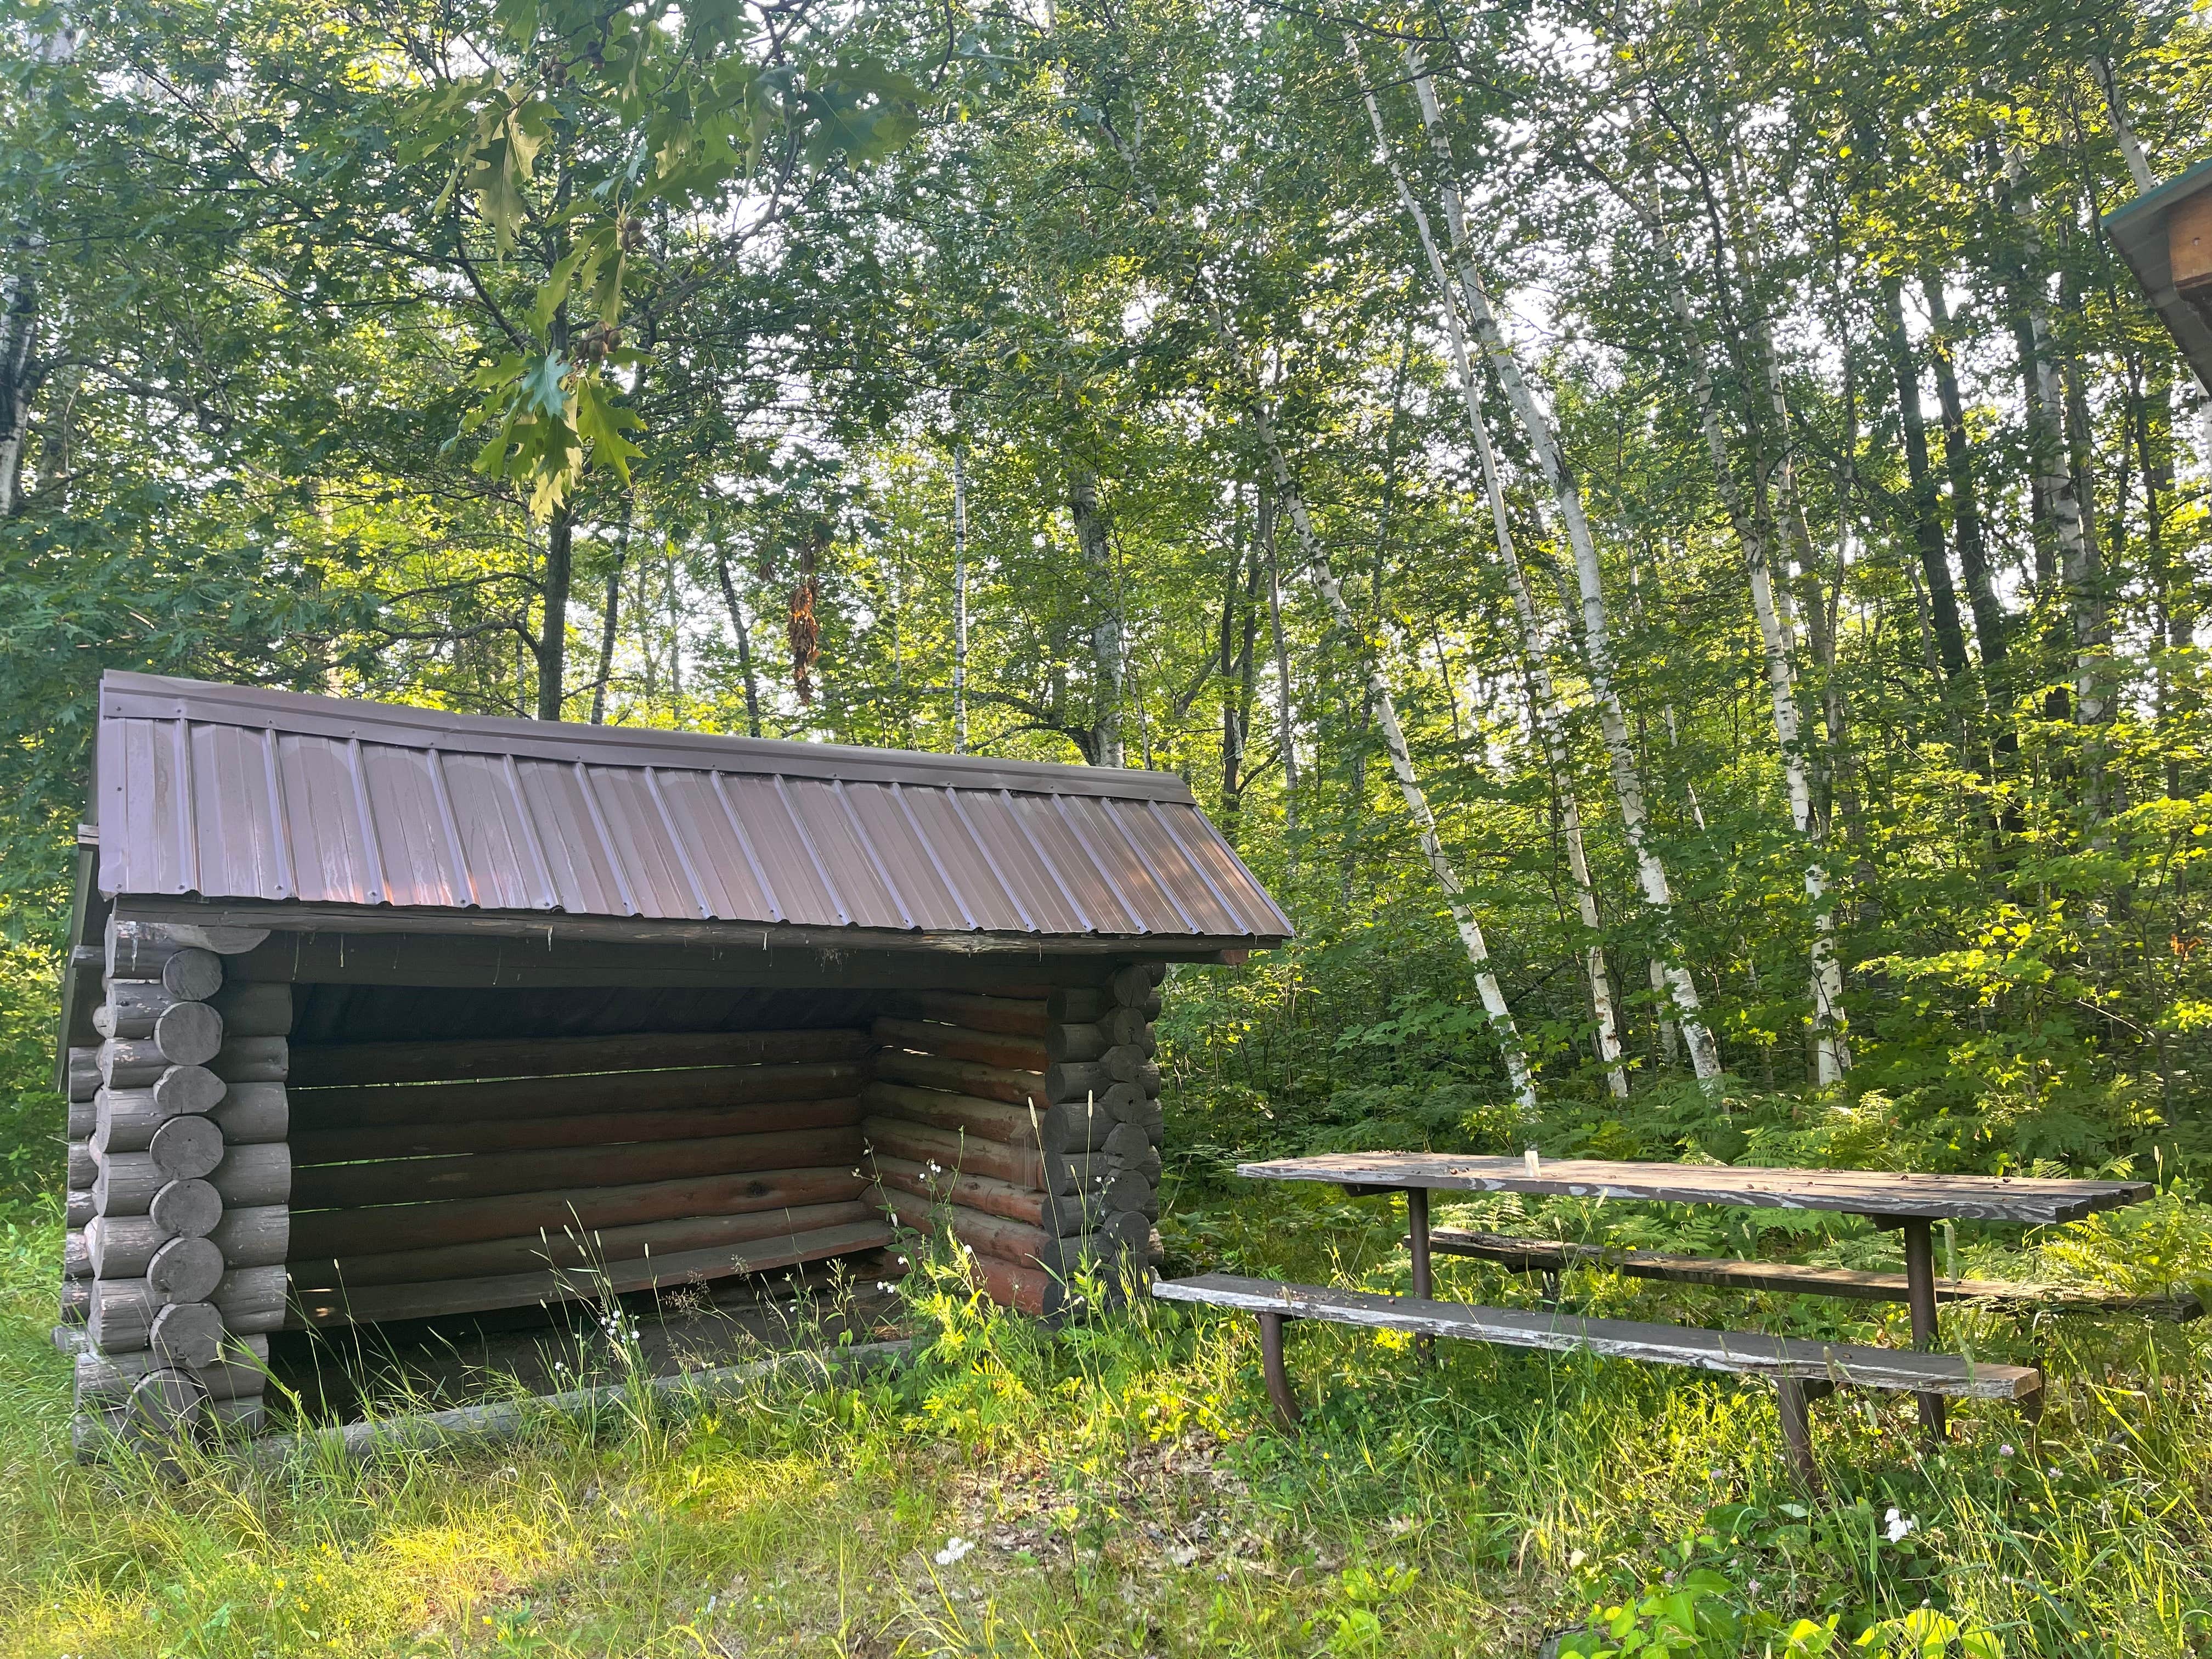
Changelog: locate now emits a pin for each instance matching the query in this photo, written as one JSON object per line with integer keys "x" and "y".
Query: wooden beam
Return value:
{"x": 327, "y": 1064}
{"x": 1744, "y": 1353}
{"x": 379, "y": 1105}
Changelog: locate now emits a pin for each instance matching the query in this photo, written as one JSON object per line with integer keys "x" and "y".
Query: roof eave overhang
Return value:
{"x": 2138, "y": 230}
{"x": 296, "y": 917}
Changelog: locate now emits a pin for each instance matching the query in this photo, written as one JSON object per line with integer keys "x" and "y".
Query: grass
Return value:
{"x": 1118, "y": 1491}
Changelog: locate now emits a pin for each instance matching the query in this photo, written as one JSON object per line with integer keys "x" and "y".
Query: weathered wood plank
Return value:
{"x": 371, "y": 1303}
{"x": 1859, "y": 1192}
{"x": 1013, "y": 1054}
{"x": 338, "y": 1232}
{"x": 379, "y": 1105}
{"x": 1546, "y": 1255}
{"x": 326, "y": 1065}
{"x": 962, "y": 1078}
{"x": 1010, "y": 1016}
{"x": 1741, "y": 1353}
{"x": 589, "y": 1129}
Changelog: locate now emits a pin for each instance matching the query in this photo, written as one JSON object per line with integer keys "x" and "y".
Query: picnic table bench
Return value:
{"x": 1803, "y": 1371}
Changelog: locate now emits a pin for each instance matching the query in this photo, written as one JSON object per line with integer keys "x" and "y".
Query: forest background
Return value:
{"x": 1663, "y": 531}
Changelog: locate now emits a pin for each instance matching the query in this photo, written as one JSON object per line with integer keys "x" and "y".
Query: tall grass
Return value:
{"x": 1120, "y": 1490}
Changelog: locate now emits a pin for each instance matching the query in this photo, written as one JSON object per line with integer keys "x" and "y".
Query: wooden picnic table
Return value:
{"x": 1911, "y": 1202}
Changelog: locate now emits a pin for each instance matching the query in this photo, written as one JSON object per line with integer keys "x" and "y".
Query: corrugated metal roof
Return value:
{"x": 234, "y": 793}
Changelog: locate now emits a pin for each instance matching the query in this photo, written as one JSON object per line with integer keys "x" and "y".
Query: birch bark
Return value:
{"x": 1546, "y": 713}
{"x": 1613, "y": 722}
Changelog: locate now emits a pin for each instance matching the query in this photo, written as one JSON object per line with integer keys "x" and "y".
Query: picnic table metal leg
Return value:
{"x": 1279, "y": 1380}
{"x": 1796, "y": 1396}
{"x": 1417, "y": 1240}
{"x": 1920, "y": 1297}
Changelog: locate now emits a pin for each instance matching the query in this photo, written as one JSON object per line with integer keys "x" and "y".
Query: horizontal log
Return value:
{"x": 83, "y": 1166}
{"x": 252, "y": 1113}
{"x": 238, "y": 1419}
{"x": 123, "y": 1183}
{"x": 572, "y": 1247}
{"x": 251, "y": 1299}
{"x": 1134, "y": 985}
{"x": 76, "y": 1254}
{"x": 253, "y": 1060}
{"x": 120, "y": 1247}
{"x": 168, "y": 1404}
{"x": 83, "y": 1068}
{"x": 320, "y": 1065}
{"x": 534, "y": 1098}
{"x": 1026, "y": 1290}
{"x": 188, "y": 1209}
{"x": 189, "y": 1089}
{"x": 1023, "y": 1245}
{"x": 1127, "y": 1103}
{"x": 79, "y": 1210}
{"x": 592, "y": 1129}
{"x": 240, "y": 1371}
{"x": 420, "y": 1301}
{"x": 1063, "y": 1129}
{"x": 326, "y": 1233}
{"x": 186, "y": 1333}
{"x": 961, "y": 1076}
{"x": 1074, "y": 1042}
{"x": 1059, "y": 1217}
{"x": 125, "y": 1120}
{"x": 188, "y": 1033}
{"x": 76, "y": 1302}
{"x": 83, "y": 1121}
{"x": 1145, "y": 1165}
{"x": 1127, "y": 1145}
{"x": 135, "y": 1006}
{"x": 975, "y": 1154}
{"x": 137, "y": 948}
{"x": 1077, "y": 1003}
{"x": 185, "y": 1270}
{"x": 1011, "y": 1016}
{"x": 249, "y": 1010}
{"x": 186, "y": 1148}
{"x": 254, "y": 1175}
{"x": 1129, "y": 1025}
{"x": 956, "y": 1042}
{"x": 487, "y": 1174}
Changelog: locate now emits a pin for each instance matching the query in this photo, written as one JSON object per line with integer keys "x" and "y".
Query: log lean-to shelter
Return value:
{"x": 379, "y": 1013}
{"x": 2166, "y": 236}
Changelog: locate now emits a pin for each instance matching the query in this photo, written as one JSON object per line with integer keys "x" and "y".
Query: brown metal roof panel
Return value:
{"x": 566, "y": 824}
{"x": 1022, "y": 869}
{"x": 983, "y": 899}
{"x": 1076, "y": 865}
{"x": 804, "y": 889}
{"x": 837, "y": 841}
{"x": 727, "y": 872}
{"x": 329, "y": 852}
{"x": 1155, "y": 903}
{"x": 495, "y": 849}
{"x": 137, "y": 849}
{"x": 905, "y": 857}
{"x": 240, "y": 826}
{"x": 1164, "y": 855}
{"x": 659, "y": 869}
{"x": 417, "y": 855}
{"x": 1222, "y": 872}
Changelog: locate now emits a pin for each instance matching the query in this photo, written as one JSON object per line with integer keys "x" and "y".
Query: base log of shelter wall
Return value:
{"x": 179, "y": 1188}
{"x": 453, "y": 1176}
{"x": 1025, "y": 1124}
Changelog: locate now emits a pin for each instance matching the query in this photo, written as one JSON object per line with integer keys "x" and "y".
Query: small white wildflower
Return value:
{"x": 1753, "y": 1587}
{"x": 1898, "y": 1525}
{"x": 2004, "y": 1451}
{"x": 955, "y": 1548}
{"x": 886, "y": 1285}
{"x": 935, "y": 1167}
{"x": 1577, "y": 1558}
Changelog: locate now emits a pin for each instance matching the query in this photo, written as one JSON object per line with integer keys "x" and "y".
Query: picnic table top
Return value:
{"x": 1860, "y": 1191}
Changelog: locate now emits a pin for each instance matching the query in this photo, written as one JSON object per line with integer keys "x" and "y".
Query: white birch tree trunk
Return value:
{"x": 959, "y": 596}
{"x": 1613, "y": 722}
{"x": 1544, "y": 711}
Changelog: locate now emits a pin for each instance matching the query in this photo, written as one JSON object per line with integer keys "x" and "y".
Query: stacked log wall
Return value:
{"x": 442, "y": 1177}
{"x": 1026, "y": 1124}
{"x": 179, "y": 1184}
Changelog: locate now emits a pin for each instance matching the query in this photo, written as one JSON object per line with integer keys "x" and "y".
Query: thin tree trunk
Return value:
{"x": 745, "y": 640}
{"x": 959, "y": 596}
{"x": 1965, "y": 507}
{"x": 1287, "y": 720}
{"x": 1092, "y": 538}
{"x": 553, "y": 645}
{"x": 1927, "y": 524}
{"x": 610, "y": 613}
{"x": 1546, "y": 716}
{"x": 1628, "y": 784}
{"x": 2138, "y": 164}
